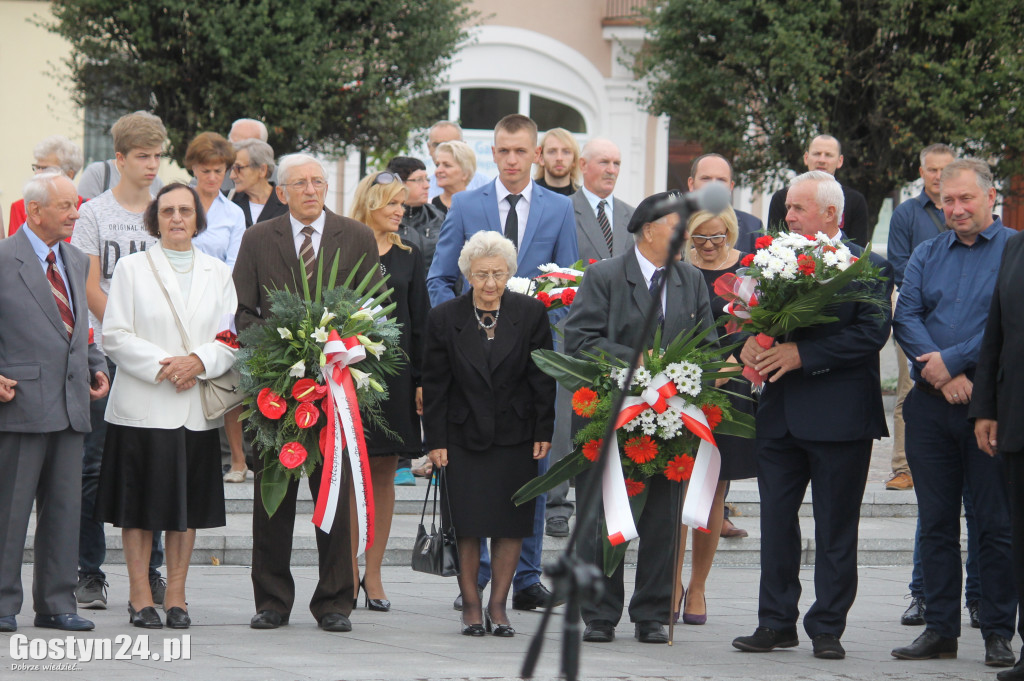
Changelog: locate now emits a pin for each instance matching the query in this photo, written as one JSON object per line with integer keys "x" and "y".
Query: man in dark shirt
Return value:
{"x": 940, "y": 322}
{"x": 715, "y": 168}
{"x": 824, "y": 153}
{"x": 558, "y": 158}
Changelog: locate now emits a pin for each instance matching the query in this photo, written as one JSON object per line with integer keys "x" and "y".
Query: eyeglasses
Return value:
{"x": 482, "y": 277}
{"x": 713, "y": 238}
{"x": 239, "y": 168}
{"x": 418, "y": 180}
{"x": 386, "y": 178}
{"x": 300, "y": 185}
{"x": 36, "y": 168}
{"x": 184, "y": 211}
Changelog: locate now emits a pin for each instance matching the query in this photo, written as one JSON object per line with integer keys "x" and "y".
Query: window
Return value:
{"x": 482, "y": 108}
{"x": 548, "y": 113}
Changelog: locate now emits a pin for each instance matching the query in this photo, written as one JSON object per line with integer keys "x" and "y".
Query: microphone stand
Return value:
{"x": 573, "y": 579}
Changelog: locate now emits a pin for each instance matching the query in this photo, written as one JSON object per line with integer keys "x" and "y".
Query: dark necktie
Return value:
{"x": 306, "y": 253}
{"x": 512, "y": 220}
{"x": 60, "y": 293}
{"x": 656, "y": 293}
{"x": 606, "y": 228}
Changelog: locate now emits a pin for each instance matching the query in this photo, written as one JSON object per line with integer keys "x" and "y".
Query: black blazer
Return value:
{"x": 837, "y": 395}
{"x": 999, "y": 378}
{"x": 272, "y": 209}
{"x": 478, "y": 402}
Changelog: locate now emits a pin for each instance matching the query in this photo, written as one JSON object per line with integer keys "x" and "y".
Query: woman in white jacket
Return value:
{"x": 161, "y": 461}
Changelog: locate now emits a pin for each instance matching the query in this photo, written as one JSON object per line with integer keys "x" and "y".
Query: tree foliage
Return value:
{"x": 323, "y": 74}
{"x": 756, "y": 79}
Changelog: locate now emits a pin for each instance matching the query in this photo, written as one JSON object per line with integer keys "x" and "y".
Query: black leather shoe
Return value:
{"x": 335, "y": 621}
{"x": 599, "y": 631}
{"x": 914, "y": 615}
{"x": 533, "y": 597}
{"x": 267, "y": 619}
{"x": 178, "y": 618}
{"x": 1015, "y": 674}
{"x": 68, "y": 621}
{"x": 147, "y": 618}
{"x": 457, "y": 605}
{"x": 650, "y": 631}
{"x": 998, "y": 652}
{"x": 828, "y": 647}
{"x": 8, "y": 624}
{"x": 765, "y": 640}
{"x": 974, "y": 609}
{"x": 927, "y": 646}
{"x": 557, "y": 527}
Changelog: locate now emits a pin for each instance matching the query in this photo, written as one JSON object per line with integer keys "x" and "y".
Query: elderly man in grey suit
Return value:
{"x": 608, "y": 316}
{"x": 49, "y": 371}
{"x": 601, "y": 218}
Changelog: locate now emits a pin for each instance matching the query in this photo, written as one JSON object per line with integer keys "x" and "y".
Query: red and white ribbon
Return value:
{"x": 344, "y": 431}
{"x": 661, "y": 395}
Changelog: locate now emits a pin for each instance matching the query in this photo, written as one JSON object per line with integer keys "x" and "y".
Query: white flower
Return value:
{"x": 286, "y": 334}
{"x": 326, "y": 318}
{"x": 522, "y": 285}
{"x": 843, "y": 265}
{"x": 762, "y": 257}
{"x": 548, "y": 267}
{"x": 619, "y": 376}
{"x": 297, "y": 370}
{"x": 320, "y": 335}
{"x": 361, "y": 378}
{"x": 649, "y": 428}
{"x": 830, "y": 258}
{"x": 362, "y": 313}
{"x": 789, "y": 271}
{"x": 669, "y": 424}
{"x": 641, "y": 377}
{"x": 374, "y": 348}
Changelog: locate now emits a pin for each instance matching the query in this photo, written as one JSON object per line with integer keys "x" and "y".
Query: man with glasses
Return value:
{"x": 275, "y": 254}
{"x": 56, "y": 153}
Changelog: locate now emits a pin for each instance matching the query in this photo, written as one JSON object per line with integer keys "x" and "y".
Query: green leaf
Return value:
{"x": 273, "y": 487}
{"x": 567, "y": 467}
{"x": 740, "y": 425}
{"x": 570, "y": 372}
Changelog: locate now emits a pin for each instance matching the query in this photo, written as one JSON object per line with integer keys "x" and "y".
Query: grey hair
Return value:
{"x": 638, "y": 235}
{"x": 487, "y": 244}
{"x": 259, "y": 124}
{"x": 982, "y": 172}
{"x": 937, "y": 149}
{"x": 40, "y": 188}
{"x": 68, "y": 154}
{"x": 294, "y": 161}
{"x": 260, "y": 153}
{"x": 828, "y": 192}
{"x": 446, "y": 124}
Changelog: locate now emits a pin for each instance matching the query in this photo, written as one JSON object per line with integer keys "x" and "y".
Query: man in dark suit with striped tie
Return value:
{"x": 275, "y": 254}
{"x": 49, "y": 372}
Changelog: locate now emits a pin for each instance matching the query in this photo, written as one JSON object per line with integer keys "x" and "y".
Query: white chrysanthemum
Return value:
{"x": 548, "y": 267}
{"x": 619, "y": 376}
{"x": 788, "y": 272}
{"x": 686, "y": 376}
{"x": 649, "y": 428}
{"x": 843, "y": 264}
{"x": 761, "y": 257}
{"x": 641, "y": 378}
{"x": 830, "y": 258}
{"x": 522, "y": 285}
{"x": 669, "y": 424}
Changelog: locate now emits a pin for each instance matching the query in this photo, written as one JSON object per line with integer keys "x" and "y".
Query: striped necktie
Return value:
{"x": 306, "y": 253}
{"x": 655, "y": 291}
{"x": 606, "y": 227}
{"x": 60, "y": 293}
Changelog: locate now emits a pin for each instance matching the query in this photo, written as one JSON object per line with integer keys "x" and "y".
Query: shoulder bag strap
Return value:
{"x": 167, "y": 296}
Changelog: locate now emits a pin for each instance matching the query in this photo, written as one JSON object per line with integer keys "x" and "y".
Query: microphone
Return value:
{"x": 713, "y": 197}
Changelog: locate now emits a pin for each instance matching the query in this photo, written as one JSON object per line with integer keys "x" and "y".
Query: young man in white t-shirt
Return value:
{"x": 110, "y": 227}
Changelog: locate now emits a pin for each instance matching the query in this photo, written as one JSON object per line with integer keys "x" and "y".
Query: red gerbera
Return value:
{"x": 805, "y": 264}
{"x": 747, "y": 260}
{"x": 308, "y": 390}
{"x": 292, "y": 455}
{"x": 584, "y": 401}
{"x": 634, "y": 487}
{"x": 680, "y": 468}
{"x": 568, "y": 295}
{"x": 306, "y": 415}
{"x": 271, "y": 405}
{"x": 592, "y": 449}
{"x": 544, "y": 298}
{"x": 763, "y": 241}
{"x": 713, "y": 413}
{"x": 641, "y": 449}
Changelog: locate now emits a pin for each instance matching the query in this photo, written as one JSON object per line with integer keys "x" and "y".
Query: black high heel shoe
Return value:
{"x": 147, "y": 618}
{"x": 471, "y": 629}
{"x": 502, "y": 630}
{"x": 177, "y": 618}
{"x": 377, "y": 604}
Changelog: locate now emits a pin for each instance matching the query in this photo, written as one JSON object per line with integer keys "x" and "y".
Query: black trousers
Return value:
{"x": 655, "y": 567}
{"x": 943, "y": 455}
{"x": 1014, "y": 462}
{"x": 837, "y": 472}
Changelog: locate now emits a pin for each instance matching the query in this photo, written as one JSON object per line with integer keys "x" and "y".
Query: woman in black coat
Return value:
{"x": 489, "y": 413}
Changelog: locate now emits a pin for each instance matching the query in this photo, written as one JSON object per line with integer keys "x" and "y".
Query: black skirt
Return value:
{"x": 160, "y": 480}
{"x": 480, "y": 486}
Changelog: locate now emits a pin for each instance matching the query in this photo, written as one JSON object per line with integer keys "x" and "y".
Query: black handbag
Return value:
{"x": 436, "y": 552}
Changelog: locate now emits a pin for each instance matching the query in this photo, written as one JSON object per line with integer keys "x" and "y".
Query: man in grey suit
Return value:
{"x": 608, "y": 316}
{"x": 49, "y": 371}
{"x": 594, "y": 204}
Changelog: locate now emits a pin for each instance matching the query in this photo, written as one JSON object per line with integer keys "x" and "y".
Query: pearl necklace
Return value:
{"x": 480, "y": 321}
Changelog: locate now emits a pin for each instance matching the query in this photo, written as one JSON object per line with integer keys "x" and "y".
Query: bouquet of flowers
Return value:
{"x": 555, "y": 286}
{"x": 306, "y": 399}
{"x": 794, "y": 281}
{"x": 665, "y": 428}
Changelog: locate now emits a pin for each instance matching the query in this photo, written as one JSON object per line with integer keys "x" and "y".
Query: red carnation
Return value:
{"x": 680, "y": 468}
{"x": 584, "y": 401}
{"x": 292, "y": 455}
{"x": 544, "y": 298}
{"x": 308, "y": 390}
{"x": 592, "y": 449}
{"x": 853, "y": 260}
{"x": 713, "y": 413}
{"x": 306, "y": 415}
{"x": 592, "y": 261}
{"x": 634, "y": 487}
{"x": 828, "y": 248}
{"x": 747, "y": 260}
{"x": 805, "y": 264}
{"x": 568, "y": 295}
{"x": 763, "y": 241}
{"x": 271, "y": 405}
{"x": 810, "y": 237}
{"x": 641, "y": 449}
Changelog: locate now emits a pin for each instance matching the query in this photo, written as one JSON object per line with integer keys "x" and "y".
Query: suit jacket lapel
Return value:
{"x": 201, "y": 279}
{"x": 641, "y": 296}
{"x": 673, "y": 301}
{"x": 468, "y": 336}
{"x": 285, "y": 243}
{"x": 505, "y": 338}
{"x": 38, "y": 285}
{"x": 74, "y": 265}
{"x": 587, "y": 221}
{"x": 489, "y": 204}
{"x": 534, "y": 220}
{"x": 620, "y": 236}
